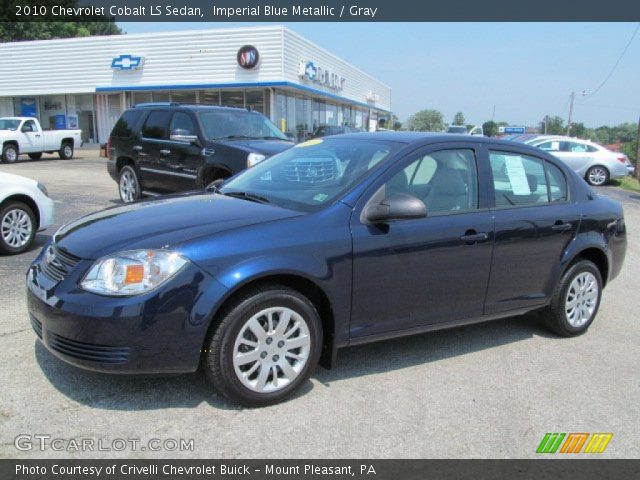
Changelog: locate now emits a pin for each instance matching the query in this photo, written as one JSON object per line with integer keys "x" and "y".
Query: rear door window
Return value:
{"x": 182, "y": 121}
{"x": 156, "y": 125}
{"x": 126, "y": 124}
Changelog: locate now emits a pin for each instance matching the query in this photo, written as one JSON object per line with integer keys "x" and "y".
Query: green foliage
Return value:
{"x": 490, "y": 128}
{"x": 426, "y": 121}
{"x": 630, "y": 149}
{"x": 458, "y": 119}
{"x": 554, "y": 125}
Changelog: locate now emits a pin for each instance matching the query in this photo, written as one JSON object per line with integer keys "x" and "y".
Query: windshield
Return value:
{"x": 457, "y": 129}
{"x": 218, "y": 124}
{"x": 312, "y": 174}
{"x": 9, "y": 124}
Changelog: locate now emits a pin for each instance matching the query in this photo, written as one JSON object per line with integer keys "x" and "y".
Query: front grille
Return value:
{"x": 57, "y": 263}
{"x": 312, "y": 171}
{"x": 37, "y": 326}
{"x": 87, "y": 351}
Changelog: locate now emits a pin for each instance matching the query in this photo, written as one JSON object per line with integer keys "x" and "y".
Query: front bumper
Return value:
{"x": 160, "y": 332}
{"x": 46, "y": 207}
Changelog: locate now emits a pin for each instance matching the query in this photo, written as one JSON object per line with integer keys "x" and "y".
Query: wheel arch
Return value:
{"x": 27, "y": 200}
{"x": 67, "y": 140}
{"x": 593, "y": 254}
{"x": 121, "y": 162}
{"x": 295, "y": 281}
{"x": 13, "y": 143}
{"x": 212, "y": 172}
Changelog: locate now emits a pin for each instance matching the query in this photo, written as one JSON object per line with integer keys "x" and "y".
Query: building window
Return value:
{"x": 80, "y": 114}
{"x": 141, "y": 97}
{"x": 6, "y": 107}
{"x": 183, "y": 96}
{"x": 209, "y": 97}
{"x": 232, "y": 98}
{"x": 161, "y": 96}
{"x": 255, "y": 100}
{"x": 53, "y": 112}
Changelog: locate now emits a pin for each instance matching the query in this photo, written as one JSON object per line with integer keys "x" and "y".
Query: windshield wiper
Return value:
{"x": 252, "y": 197}
{"x": 271, "y": 137}
{"x": 234, "y": 137}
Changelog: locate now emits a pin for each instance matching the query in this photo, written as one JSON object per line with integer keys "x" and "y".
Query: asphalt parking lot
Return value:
{"x": 490, "y": 390}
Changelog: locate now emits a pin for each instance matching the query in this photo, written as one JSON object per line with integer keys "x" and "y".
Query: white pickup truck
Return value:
{"x": 20, "y": 135}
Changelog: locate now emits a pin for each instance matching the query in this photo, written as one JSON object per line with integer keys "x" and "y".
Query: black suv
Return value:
{"x": 158, "y": 148}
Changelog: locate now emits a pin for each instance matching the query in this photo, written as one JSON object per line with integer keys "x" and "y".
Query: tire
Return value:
{"x": 17, "y": 227}
{"x": 35, "y": 156}
{"x": 558, "y": 316}
{"x": 241, "y": 382}
{"x": 597, "y": 176}
{"x": 128, "y": 185}
{"x": 10, "y": 153}
{"x": 66, "y": 151}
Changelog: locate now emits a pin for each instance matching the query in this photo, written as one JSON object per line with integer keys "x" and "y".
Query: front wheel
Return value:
{"x": 128, "y": 185}
{"x": 597, "y": 176}
{"x": 17, "y": 228}
{"x": 66, "y": 151}
{"x": 266, "y": 346}
{"x": 575, "y": 302}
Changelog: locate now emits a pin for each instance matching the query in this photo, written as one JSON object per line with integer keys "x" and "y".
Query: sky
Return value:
{"x": 524, "y": 70}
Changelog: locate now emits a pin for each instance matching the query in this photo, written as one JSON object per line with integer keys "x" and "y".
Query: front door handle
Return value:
{"x": 37, "y": 135}
{"x": 471, "y": 237}
{"x": 561, "y": 227}
{"x": 165, "y": 152}
{"x": 137, "y": 148}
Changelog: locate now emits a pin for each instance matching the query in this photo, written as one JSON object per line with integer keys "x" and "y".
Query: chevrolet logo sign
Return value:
{"x": 127, "y": 62}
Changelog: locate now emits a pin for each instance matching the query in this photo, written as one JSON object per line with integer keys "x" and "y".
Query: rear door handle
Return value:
{"x": 561, "y": 227}
{"x": 137, "y": 148}
{"x": 472, "y": 237}
{"x": 165, "y": 152}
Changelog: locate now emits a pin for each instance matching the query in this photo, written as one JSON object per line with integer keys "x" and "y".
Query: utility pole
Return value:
{"x": 573, "y": 94}
{"x": 638, "y": 152}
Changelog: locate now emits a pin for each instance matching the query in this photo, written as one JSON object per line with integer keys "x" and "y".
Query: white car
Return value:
{"x": 591, "y": 161}
{"x": 25, "y": 208}
{"x": 20, "y": 135}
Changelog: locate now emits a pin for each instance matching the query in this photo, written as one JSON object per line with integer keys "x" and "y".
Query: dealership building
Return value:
{"x": 87, "y": 82}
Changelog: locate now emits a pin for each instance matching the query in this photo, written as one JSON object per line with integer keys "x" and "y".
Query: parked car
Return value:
{"x": 461, "y": 129}
{"x": 591, "y": 161}
{"x": 335, "y": 242}
{"x": 163, "y": 148}
{"x": 20, "y": 135}
{"x": 25, "y": 208}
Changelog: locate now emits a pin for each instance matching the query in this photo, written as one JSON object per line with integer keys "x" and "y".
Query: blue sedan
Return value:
{"x": 335, "y": 242}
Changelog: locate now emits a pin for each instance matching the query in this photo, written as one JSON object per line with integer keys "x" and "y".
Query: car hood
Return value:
{"x": 266, "y": 147}
{"x": 161, "y": 223}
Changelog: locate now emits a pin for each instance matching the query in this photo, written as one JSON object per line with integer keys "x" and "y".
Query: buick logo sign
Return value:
{"x": 248, "y": 57}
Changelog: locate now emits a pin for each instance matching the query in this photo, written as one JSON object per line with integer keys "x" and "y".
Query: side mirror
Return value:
{"x": 25, "y": 129}
{"x": 398, "y": 206}
{"x": 180, "y": 135}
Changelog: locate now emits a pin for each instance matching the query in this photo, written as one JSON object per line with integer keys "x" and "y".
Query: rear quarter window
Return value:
{"x": 126, "y": 124}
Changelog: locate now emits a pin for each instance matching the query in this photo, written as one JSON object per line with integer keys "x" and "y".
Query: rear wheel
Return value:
{"x": 128, "y": 185}
{"x": 575, "y": 302}
{"x": 66, "y": 151}
{"x": 9, "y": 153}
{"x": 35, "y": 156}
{"x": 266, "y": 346}
{"x": 17, "y": 227}
{"x": 597, "y": 176}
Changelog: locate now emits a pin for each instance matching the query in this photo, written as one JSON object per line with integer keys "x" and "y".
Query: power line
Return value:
{"x": 613, "y": 69}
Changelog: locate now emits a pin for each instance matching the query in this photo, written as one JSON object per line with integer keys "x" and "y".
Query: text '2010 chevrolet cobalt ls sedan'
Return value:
{"x": 335, "y": 242}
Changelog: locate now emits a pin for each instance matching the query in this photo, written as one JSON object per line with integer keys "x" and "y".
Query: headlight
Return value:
{"x": 254, "y": 158}
{"x": 133, "y": 272}
{"x": 43, "y": 189}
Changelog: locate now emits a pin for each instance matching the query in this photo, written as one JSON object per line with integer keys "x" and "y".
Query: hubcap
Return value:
{"x": 127, "y": 187}
{"x": 16, "y": 228}
{"x": 11, "y": 154}
{"x": 597, "y": 176}
{"x": 67, "y": 151}
{"x": 581, "y": 300}
{"x": 271, "y": 349}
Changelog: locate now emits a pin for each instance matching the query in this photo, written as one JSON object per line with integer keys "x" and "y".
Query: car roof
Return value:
{"x": 424, "y": 138}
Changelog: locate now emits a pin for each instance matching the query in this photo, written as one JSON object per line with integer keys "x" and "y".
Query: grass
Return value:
{"x": 627, "y": 183}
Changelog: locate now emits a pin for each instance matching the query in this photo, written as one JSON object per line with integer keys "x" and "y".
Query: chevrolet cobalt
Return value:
{"x": 335, "y": 242}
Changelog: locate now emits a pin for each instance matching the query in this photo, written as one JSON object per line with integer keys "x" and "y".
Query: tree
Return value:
{"x": 552, "y": 125}
{"x": 426, "y": 121}
{"x": 490, "y": 128}
{"x": 49, "y": 26}
{"x": 458, "y": 119}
